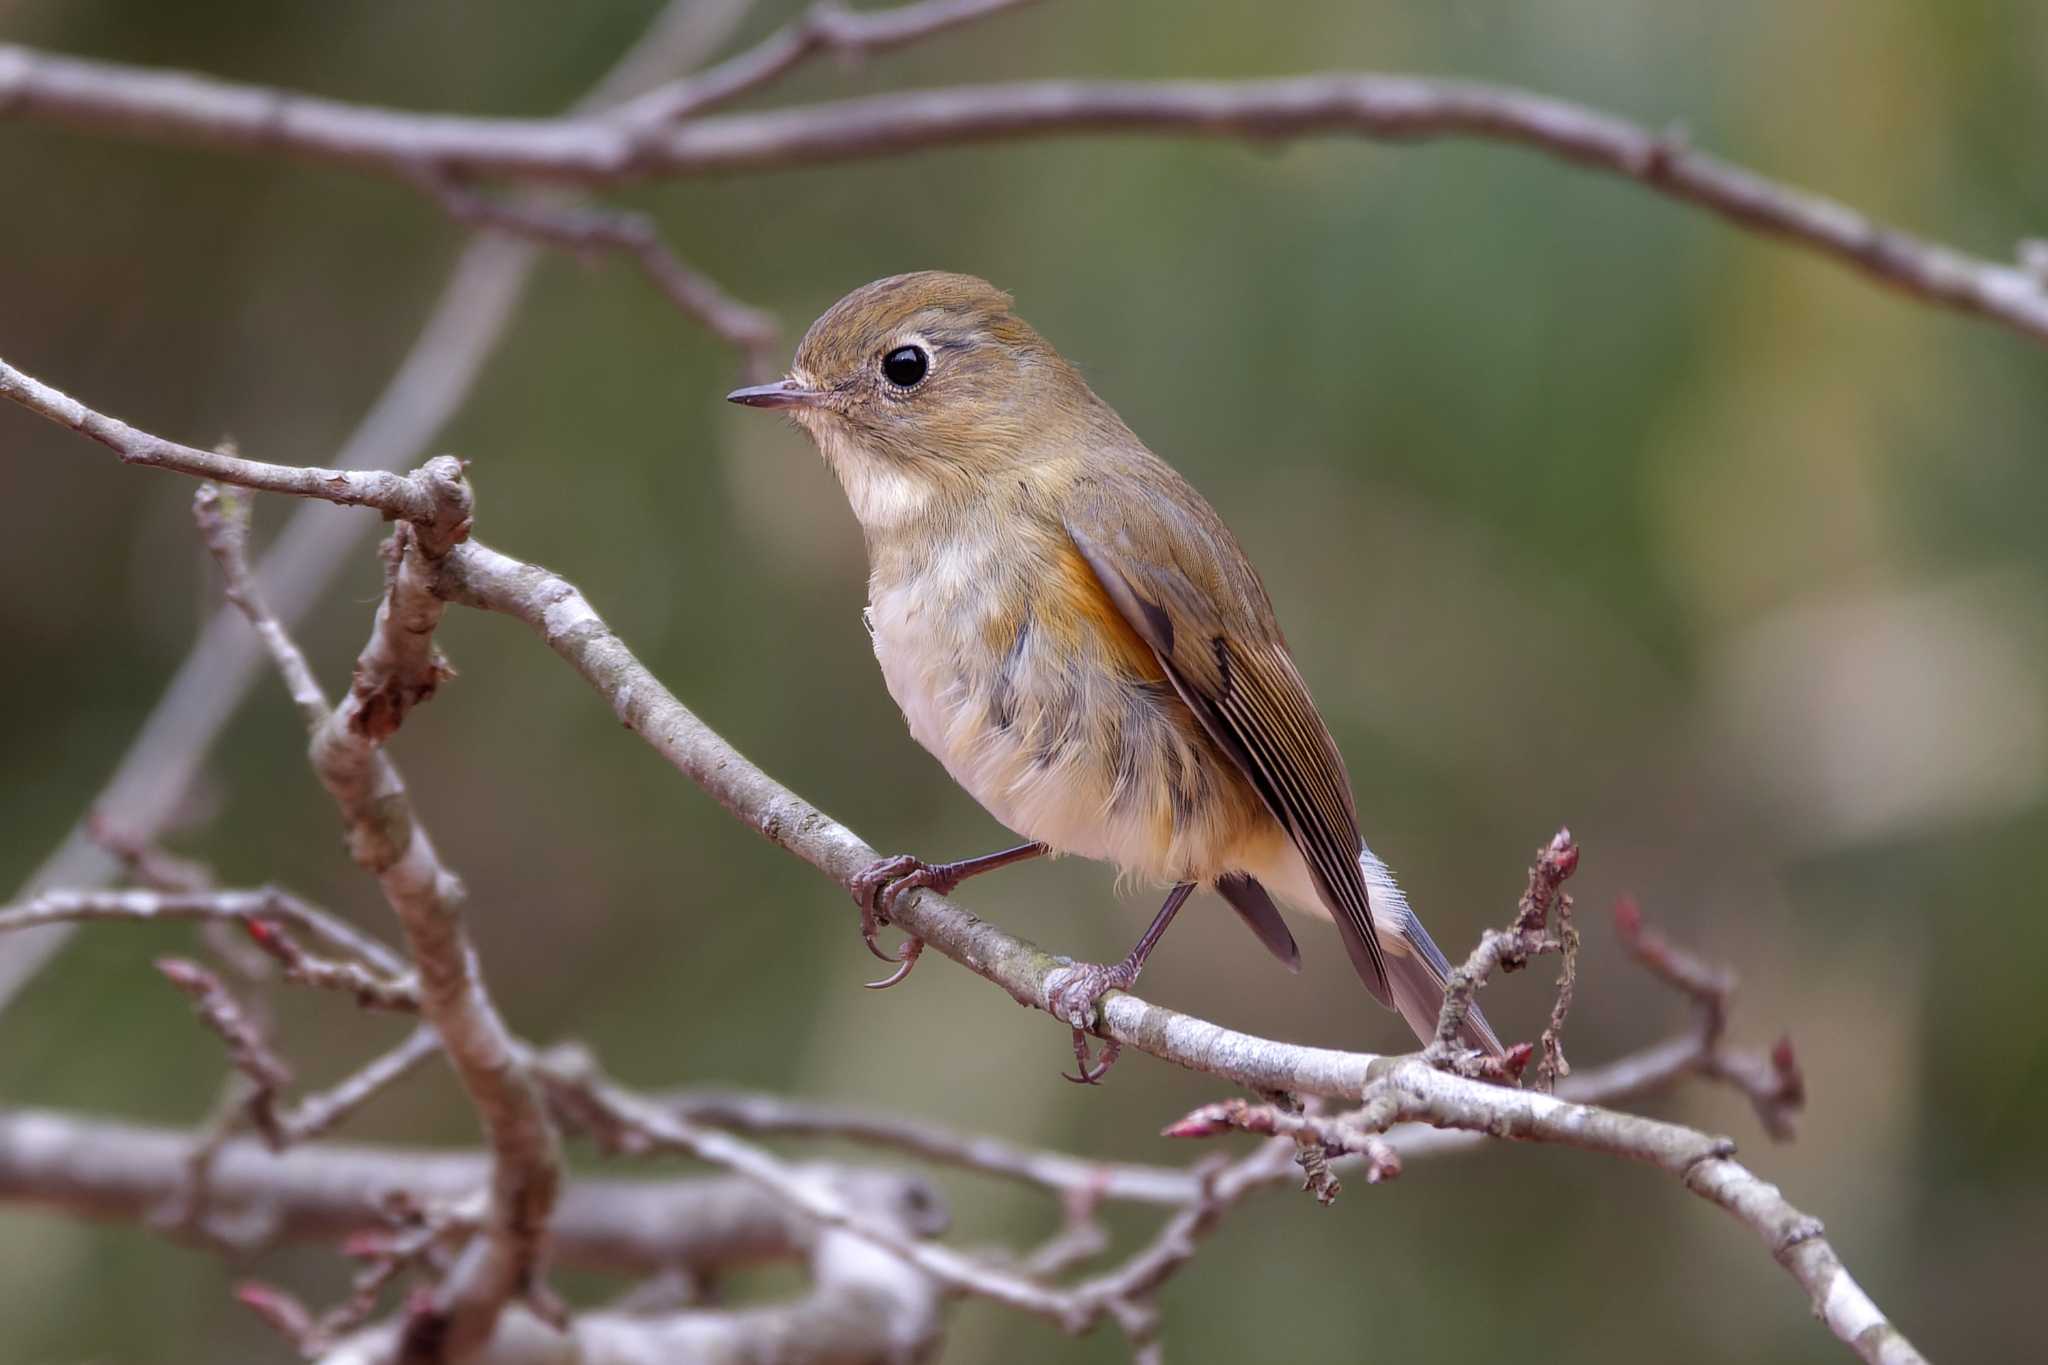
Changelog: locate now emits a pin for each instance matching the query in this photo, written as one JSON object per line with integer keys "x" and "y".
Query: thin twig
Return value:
{"x": 371, "y": 990}
{"x": 248, "y": 1052}
{"x": 1774, "y": 1084}
{"x": 319, "y": 1113}
{"x": 395, "y": 494}
{"x": 626, "y": 1122}
{"x": 222, "y": 514}
{"x": 398, "y": 668}
{"x": 775, "y": 1115}
{"x": 824, "y": 27}
{"x": 1338, "y": 1136}
{"x": 584, "y": 229}
{"x": 269, "y": 903}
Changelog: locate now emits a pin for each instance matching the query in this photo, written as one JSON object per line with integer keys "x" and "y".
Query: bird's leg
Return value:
{"x": 1072, "y": 992}
{"x": 877, "y": 888}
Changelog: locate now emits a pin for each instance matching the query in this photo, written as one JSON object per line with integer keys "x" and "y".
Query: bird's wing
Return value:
{"x": 1178, "y": 578}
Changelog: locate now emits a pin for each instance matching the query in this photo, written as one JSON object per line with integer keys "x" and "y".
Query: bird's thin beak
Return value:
{"x": 783, "y": 393}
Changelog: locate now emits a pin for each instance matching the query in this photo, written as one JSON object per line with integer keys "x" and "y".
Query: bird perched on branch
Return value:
{"x": 1074, "y": 633}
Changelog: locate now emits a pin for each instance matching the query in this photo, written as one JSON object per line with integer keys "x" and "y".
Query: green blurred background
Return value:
{"x": 1579, "y": 507}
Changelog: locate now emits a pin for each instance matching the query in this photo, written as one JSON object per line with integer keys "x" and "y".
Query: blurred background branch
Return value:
{"x": 599, "y": 150}
{"x": 463, "y": 328}
{"x": 1678, "y": 820}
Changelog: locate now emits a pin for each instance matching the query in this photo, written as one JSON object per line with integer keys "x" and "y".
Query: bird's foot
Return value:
{"x": 1071, "y": 994}
{"x": 878, "y": 888}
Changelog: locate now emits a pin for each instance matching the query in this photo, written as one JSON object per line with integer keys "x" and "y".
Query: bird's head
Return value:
{"x": 926, "y": 386}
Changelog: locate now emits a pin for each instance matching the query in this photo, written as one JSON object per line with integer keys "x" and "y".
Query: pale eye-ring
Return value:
{"x": 906, "y": 366}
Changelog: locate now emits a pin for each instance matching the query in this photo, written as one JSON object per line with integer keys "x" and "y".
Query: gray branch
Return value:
{"x": 595, "y": 150}
{"x": 432, "y": 560}
{"x": 1407, "y": 1089}
{"x": 395, "y": 495}
{"x": 864, "y": 1305}
{"x": 321, "y": 1193}
{"x": 397, "y": 669}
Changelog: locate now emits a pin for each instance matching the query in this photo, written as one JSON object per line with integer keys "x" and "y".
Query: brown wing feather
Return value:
{"x": 1185, "y": 587}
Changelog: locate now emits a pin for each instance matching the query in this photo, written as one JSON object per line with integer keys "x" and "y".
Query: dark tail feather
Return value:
{"x": 1261, "y": 916}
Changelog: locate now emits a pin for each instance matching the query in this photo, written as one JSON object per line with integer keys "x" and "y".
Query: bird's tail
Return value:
{"x": 1416, "y": 969}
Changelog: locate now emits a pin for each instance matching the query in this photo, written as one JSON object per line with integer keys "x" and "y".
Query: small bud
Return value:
{"x": 1628, "y": 917}
{"x": 1208, "y": 1121}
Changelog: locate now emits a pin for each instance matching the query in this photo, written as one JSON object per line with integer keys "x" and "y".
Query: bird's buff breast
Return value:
{"x": 1013, "y": 670}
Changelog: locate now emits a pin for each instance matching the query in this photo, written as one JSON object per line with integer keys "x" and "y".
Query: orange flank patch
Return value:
{"x": 1079, "y": 613}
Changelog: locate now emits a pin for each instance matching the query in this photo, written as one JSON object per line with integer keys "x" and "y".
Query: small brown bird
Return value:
{"x": 1074, "y": 633}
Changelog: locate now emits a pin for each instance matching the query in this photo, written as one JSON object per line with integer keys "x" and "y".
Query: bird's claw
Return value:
{"x": 876, "y": 889}
{"x": 906, "y": 957}
{"x": 1071, "y": 995}
{"x": 1092, "y": 1072}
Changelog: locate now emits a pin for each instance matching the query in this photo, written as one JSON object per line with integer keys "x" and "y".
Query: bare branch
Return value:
{"x": 398, "y": 668}
{"x": 565, "y": 620}
{"x": 583, "y": 229}
{"x": 1126, "y": 1293}
{"x": 433, "y": 560}
{"x": 325, "y": 1192}
{"x": 371, "y": 990}
{"x": 394, "y": 494}
{"x": 1528, "y": 936}
{"x": 319, "y": 1113}
{"x": 1397, "y": 108}
{"x": 775, "y": 1115}
{"x": 1415, "y": 1092}
{"x": 626, "y": 1122}
{"x": 1340, "y": 1136}
{"x": 1775, "y": 1085}
{"x": 248, "y": 1052}
{"x": 864, "y": 1305}
{"x": 245, "y": 907}
{"x": 223, "y": 518}
{"x": 478, "y": 576}
{"x": 825, "y": 27}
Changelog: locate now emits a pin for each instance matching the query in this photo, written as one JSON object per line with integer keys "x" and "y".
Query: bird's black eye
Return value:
{"x": 905, "y": 366}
